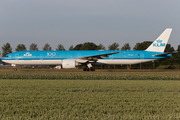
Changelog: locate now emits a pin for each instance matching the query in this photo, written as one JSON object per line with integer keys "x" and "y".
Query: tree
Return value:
{"x": 142, "y": 46}
{"x": 126, "y": 47}
{"x": 33, "y": 47}
{"x": 60, "y": 47}
{"x": 86, "y": 46}
{"x": 78, "y": 47}
{"x": 177, "y": 55}
{"x": 178, "y": 49}
{"x": 101, "y": 47}
{"x": 21, "y": 47}
{"x": 71, "y": 47}
{"x": 169, "y": 61}
{"x": 46, "y": 47}
{"x": 89, "y": 46}
{"x": 169, "y": 48}
{"x": 6, "y": 49}
{"x": 114, "y": 46}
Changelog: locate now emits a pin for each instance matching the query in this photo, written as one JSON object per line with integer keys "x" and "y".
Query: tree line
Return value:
{"x": 85, "y": 46}
{"x": 173, "y": 61}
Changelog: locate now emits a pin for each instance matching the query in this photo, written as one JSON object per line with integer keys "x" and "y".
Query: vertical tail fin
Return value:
{"x": 160, "y": 43}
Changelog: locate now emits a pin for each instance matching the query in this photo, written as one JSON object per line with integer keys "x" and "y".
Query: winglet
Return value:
{"x": 160, "y": 43}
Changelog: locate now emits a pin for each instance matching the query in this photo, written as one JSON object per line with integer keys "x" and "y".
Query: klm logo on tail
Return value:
{"x": 159, "y": 43}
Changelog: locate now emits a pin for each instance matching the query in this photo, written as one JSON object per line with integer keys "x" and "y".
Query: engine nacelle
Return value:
{"x": 67, "y": 64}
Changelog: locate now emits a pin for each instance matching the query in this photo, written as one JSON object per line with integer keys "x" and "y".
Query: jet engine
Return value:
{"x": 66, "y": 64}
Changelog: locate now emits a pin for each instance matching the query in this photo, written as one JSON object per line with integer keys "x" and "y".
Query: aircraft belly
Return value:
{"x": 34, "y": 62}
{"x": 59, "y": 62}
{"x": 123, "y": 61}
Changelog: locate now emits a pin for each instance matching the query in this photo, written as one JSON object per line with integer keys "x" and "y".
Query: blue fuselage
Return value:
{"x": 121, "y": 57}
{"x": 50, "y": 55}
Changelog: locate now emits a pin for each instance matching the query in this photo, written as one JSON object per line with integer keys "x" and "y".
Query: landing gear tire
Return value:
{"x": 89, "y": 69}
{"x": 92, "y": 69}
{"x": 84, "y": 69}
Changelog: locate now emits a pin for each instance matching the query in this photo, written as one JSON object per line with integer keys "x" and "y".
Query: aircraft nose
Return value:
{"x": 4, "y": 58}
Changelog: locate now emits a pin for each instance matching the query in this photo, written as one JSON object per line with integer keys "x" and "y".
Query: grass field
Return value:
{"x": 104, "y": 94}
{"x": 98, "y": 71}
{"x": 89, "y": 99}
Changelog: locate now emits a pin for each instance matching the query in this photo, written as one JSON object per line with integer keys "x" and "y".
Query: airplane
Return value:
{"x": 89, "y": 58}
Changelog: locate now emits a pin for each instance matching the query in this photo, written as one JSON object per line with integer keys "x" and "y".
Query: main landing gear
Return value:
{"x": 89, "y": 67}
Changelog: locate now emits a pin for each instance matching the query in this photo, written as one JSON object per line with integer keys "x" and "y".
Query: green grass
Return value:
{"x": 73, "y": 76}
{"x": 98, "y": 71}
{"x": 89, "y": 99}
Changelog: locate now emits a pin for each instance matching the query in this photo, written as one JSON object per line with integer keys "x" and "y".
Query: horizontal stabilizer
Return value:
{"x": 165, "y": 54}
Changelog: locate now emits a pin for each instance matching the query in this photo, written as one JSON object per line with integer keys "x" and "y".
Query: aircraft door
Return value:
{"x": 41, "y": 56}
{"x": 142, "y": 56}
{"x": 17, "y": 56}
{"x": 111, "y": 56}
{"x": 79, "y": 55}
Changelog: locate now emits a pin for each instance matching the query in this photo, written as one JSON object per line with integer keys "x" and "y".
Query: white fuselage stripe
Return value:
{"x": 59, "y": 62}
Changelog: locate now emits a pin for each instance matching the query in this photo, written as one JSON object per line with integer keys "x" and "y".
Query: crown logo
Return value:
{"x": 159, "y": 41}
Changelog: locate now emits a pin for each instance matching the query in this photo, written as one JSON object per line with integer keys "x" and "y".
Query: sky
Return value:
{"x": 72, "y": 22}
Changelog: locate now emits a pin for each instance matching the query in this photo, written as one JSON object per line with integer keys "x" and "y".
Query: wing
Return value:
{"x": 94, "y": 58}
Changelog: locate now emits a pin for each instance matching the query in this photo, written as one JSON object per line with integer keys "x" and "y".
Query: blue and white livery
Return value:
{"x": 72, "y": 59}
